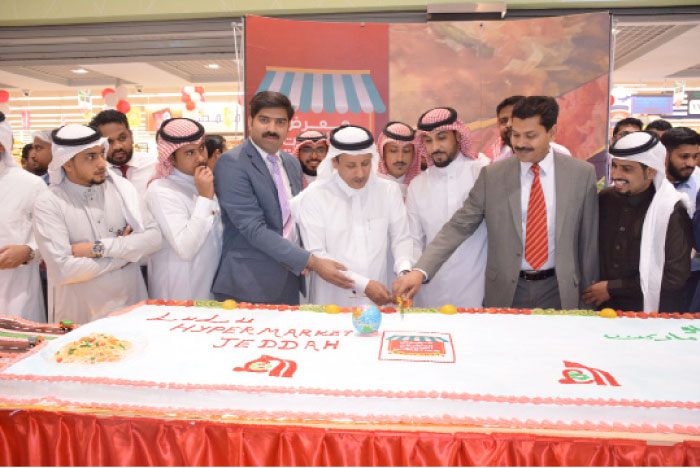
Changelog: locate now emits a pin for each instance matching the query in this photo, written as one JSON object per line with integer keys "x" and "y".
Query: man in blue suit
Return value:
{"x": 262, "y": 260}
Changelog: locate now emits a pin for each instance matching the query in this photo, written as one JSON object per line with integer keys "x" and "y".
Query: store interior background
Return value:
{"x": 49, "y": 69}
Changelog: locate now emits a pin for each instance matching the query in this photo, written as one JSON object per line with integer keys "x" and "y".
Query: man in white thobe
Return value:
{"x": 20, "y": 286}
{"x": 135, "y": 166}
{"x": 181, "y": 199}
{"x": 432, "y": 199}
{"x": 91, "y": 231}
{"x": 310, "y": 149}
{"x": 41, "y": 156}
{"x": 350, "y": 215}
{"x": 398, "y": 160}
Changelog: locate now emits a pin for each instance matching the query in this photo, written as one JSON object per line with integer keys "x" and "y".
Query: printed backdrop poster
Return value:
{"x": 472, "y": 66}
{"x": 370, "y": 73}
{"x": 333, "y": 73}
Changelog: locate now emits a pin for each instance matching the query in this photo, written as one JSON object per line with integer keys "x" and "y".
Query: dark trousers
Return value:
{"x": 543, "y": 294}
{"x": 691, "y": 295}
{"x": 289, "y": 294}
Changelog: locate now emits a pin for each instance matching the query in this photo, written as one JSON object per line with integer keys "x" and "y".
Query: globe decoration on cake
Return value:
{"x": 366, "y": 319}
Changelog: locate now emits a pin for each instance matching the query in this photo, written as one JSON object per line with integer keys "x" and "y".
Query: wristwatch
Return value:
{"x": 32, "y": 254}
{"x": 98, "y": 249}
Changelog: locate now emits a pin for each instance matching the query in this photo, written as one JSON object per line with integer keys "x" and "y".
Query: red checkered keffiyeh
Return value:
{"x": 430, "y": 122}
{"x": 399, "y": 129}
{"x": 312, "y": 138}
{"x": 180, "y": 128}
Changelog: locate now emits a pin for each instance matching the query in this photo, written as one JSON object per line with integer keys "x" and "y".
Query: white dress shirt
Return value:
{"x": 432, "y": 199}
{"x": 20, "y": 288}
{"x": 354, "y": 227}
{"x": 293, "y": 236}
{"x": 191, "y": 226}
{"x": 547, "y": 180}
{"x": 285, "y": 178}
{"x": 85, "y": 289}
{"x": 141, "y": 168}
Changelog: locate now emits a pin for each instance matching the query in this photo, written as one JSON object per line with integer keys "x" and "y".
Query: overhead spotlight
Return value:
{"x": 214, "y": 66}
{"x": 79, "y": 71}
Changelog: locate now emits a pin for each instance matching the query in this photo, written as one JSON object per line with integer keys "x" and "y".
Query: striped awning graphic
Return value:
{"x": 327, "y": 91}
{"x": 437, "y": 339}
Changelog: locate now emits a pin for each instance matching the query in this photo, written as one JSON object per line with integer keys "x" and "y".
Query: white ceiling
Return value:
{"x": 172, "y": 54}
{"x": 151, "y": 54}
{"x": 657, "y": 50}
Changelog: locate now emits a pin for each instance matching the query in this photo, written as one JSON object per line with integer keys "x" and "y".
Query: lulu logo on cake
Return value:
{"x": 417, "y": 345}
{"x": 579, "y": 374}
{"x": 284, "y": 367}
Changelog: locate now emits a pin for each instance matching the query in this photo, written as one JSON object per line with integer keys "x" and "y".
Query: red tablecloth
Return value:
{"x": 33, "y": 437}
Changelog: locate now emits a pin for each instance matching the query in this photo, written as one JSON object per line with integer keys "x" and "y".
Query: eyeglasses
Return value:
{"x": 307, "y": 150}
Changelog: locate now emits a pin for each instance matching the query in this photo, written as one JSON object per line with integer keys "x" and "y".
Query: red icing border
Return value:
{"x": 358, "y": 393}
{"x": 585, "y": 425}
{"x": 445, "y": 419}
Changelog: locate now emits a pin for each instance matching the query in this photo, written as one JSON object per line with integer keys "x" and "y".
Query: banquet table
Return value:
{"x": 36, "y": 436}
{"x": 38, "y": 428}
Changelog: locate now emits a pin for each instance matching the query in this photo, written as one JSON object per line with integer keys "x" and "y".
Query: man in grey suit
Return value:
{"x": 541, "y": 214}
{"x": 261, "y": 259}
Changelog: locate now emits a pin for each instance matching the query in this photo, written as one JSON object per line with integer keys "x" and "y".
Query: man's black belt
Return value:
{"x": 537, "y": 275}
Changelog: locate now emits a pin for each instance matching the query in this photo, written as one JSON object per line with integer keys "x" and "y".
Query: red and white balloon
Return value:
{"x": 117, "y": 99}
{"x": 193, "y": 97}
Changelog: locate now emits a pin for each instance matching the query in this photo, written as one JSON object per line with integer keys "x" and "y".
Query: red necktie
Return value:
{"x": 536, "y": 248}
{"x": 124, "y": 168}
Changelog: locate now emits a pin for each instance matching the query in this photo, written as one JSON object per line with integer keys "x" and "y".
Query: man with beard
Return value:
{"x": 41, "y": 154}
{"x": 397, "y": 154}
{"x": 354, "y": 217}
{"x": 434, "y": 196}
{"x": 261, "y": 259}
{"x": 504, "y": 119}
{"x": 20, "y": 288}
{"x": 311, "y": 148}
{"x": 645, "y": 232}
{"x": 91, "y": 230}
{"x": 181, "y": 199}
{"x": 541, "y": 213}
{"x": 26, "y": 149}
{"x": 682, "y": 151}
{"x": 134, "y": 166}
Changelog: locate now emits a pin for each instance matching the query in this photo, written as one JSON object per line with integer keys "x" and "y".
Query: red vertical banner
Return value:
{"x": 333, "y": 73}
{"x": 26, "y": 120}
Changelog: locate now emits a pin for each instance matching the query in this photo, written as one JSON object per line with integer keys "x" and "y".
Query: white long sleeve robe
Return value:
{"x": 20, "y": 288}
{"x": 85, "y": 289}
{"x": 191, "y": 226}
{"x": 432, "y": 199}
{"x": 355, "y": 228}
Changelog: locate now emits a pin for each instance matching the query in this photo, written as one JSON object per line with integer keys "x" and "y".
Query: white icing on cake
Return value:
{"x": 517, "y": 359}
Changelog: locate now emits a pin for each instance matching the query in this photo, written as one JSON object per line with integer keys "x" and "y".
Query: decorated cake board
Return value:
{"x": 516, "y": 370}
